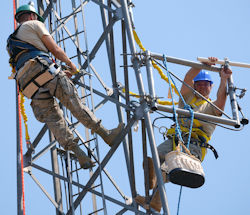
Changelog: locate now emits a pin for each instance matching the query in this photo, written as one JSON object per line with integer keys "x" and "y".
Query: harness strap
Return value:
{"x": 29, "y": 55}
{"x": 195, "y": 104}
{"x": 208, "y": 146}
{"x": 197, "y": 134}
{"x": 39, "y": 80}
{"x": 21, "y": 51}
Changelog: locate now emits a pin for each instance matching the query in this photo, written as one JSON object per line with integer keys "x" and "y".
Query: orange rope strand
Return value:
{"x": 20, "y": 123}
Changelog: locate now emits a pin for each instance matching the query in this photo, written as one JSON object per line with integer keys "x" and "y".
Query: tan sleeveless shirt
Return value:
{"x": 205, "y": 108}
{"x": 32, "y": 32}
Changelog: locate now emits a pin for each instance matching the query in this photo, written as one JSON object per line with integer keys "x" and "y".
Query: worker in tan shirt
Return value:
{"x": 43, "y": 81}
{"x": 202, "y": 82}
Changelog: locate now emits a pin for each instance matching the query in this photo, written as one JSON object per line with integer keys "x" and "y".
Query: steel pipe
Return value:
{"x": 201, "y": 116}
{"x": 186, "y": 62}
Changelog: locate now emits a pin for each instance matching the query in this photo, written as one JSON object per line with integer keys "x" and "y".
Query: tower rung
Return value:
{"x": 85, "y": 96}
{"x": 78, "y": 169}
{"x": 73, "y": 35}
{"x": 96, "y": 211}
{"x": 91, "y": 188}
{"x": 87, "y": 141}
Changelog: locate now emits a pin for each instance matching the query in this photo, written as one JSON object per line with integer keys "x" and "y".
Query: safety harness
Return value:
{"x": 20, "y": 53}
{"x": 197, "y": 133}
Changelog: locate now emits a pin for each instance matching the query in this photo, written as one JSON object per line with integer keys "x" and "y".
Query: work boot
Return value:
{"x": 108, "y": 135}
{"x": 84, "y": 160}
{"x": 155, "y": 202}
{"x": 141, "y": 200}
{"x": 165, "y": 177}
{"x": 151, "y": 173}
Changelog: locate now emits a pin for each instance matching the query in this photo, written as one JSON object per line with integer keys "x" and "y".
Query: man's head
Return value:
{"x": 27, "y": 12}
{"x": 203, "y": 83}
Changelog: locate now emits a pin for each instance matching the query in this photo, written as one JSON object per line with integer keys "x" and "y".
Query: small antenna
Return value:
{"x": 31, "y": 3}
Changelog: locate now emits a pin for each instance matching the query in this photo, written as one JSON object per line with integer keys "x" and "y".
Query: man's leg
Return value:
{"x": 151, "y": 172}
{"x": 67, "y": 94}
{"x": 155, "y": 203}
{"x": 49, "y": 112}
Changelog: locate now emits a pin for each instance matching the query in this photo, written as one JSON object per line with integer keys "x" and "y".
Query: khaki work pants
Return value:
{"x": 46, "y": 108}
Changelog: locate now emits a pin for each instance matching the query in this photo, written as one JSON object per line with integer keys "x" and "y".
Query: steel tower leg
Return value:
{"x": 18, "y": 149}
{"x": 19, "y": 166}
{"x": 136, "y": 67}
{"x": 111, "y": 56}
{"x": 57, "y": 25}
{"x": 56, "y": 181}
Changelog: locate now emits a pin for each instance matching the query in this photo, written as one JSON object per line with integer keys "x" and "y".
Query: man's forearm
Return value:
{"x": 55, "y": 49}
{"x": 222, "y": 94}
{"x": 190, "y": 75}
{"x": 60, "y": 55}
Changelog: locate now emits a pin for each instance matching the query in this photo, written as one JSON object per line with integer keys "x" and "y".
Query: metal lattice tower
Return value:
{"x": 66, "y": 21}
{"x": 95, "y": 34}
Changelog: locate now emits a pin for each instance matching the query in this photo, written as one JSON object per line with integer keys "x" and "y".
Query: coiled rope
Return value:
{"x": 177, "y": 127}
{"x": 186, "y": 106}
{"x": 163, "y": 76}
{"x": 25, "y": 118}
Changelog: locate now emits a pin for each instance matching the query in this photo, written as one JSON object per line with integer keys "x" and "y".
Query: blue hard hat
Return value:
{"x": 203, "y": 76}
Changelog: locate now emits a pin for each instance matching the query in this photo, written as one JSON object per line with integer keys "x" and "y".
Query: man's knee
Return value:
{"x": 164, "y": 148}
{"x": 195, "y": 150}
{"x": 45, "y": 110}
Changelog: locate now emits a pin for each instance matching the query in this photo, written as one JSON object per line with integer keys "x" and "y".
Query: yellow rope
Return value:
{"x": 22, "y": 99}
{"x": 131, "y": 93}
{"x": 13, "y": 72}
{"x": 163, "y": 76}
{"x": 166, "y": 102}
{"x": 25, "y": 118}
{"x": 138, "y": 41}
{"x": 158, "y": 100}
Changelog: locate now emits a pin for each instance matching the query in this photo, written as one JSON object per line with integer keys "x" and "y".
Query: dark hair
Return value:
{"x": 24, "y": 16}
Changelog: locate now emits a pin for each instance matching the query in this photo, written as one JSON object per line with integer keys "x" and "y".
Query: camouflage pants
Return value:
{"x": 46, "y": 108}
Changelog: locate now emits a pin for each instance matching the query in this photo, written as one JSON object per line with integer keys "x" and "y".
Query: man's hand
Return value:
{"x": 220, "y": 102}
{"x": 212, "y": 61}
{"x": 73, "y": 68}
{"x": 68, "y": 73}
{"x": 225, "y": 73}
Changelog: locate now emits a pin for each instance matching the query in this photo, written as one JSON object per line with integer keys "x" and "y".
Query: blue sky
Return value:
{"x": 183, "y": 29}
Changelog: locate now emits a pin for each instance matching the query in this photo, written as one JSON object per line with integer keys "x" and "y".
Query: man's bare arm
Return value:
{"x": 222, "y": 90}
{"x": 57, "y": 51}
{"x": 191, "y": 74}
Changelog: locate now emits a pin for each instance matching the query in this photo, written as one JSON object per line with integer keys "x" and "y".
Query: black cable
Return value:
{"x": 162, "y": 117}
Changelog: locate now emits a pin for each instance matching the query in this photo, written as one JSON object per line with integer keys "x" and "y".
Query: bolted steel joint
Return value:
{"x": 141, "y": 110}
